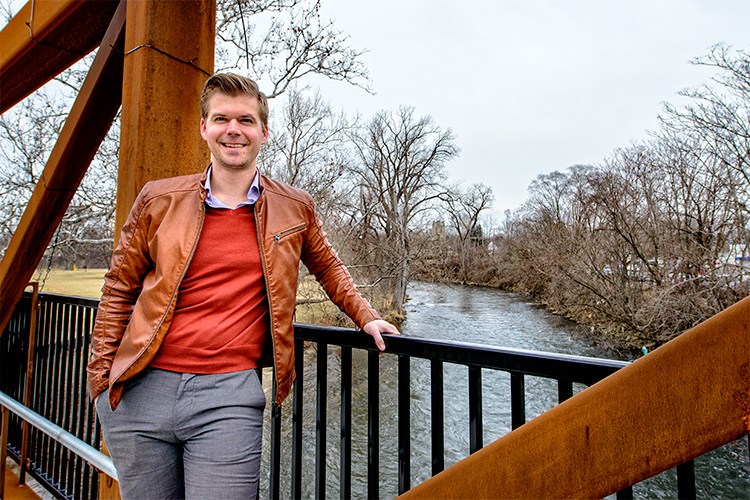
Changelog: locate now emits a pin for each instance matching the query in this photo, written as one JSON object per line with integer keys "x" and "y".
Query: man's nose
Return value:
{"x": 233, "y": 127}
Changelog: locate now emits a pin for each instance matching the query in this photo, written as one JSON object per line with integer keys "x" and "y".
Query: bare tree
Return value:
{"x": 282, "y": 41}
{"x": 464, "y": 206}
{"x": 27, "y": 134}
{"x": 308, "y": 147}
{"x": 719, "y": 111}
{"x": 401, "y": 167}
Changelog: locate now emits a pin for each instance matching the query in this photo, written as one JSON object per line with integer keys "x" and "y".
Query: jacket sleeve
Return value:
{"x": 322, "y": 261}
{"x": 122, "y": 286}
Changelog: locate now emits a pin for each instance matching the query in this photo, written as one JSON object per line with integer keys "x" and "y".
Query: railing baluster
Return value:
{"x": 43, "y": 360}
{"x": 686, "y": 480}
{"x": 297, "y": 411}
{"x": 321, "y": 421}
{"x": 29, "y": 380}
{"x": 71, "y": 392}
{"x": 517, "y": 400}
{"x": 53, "y": 388}
{"x": 476, "y": 441}
{"x": 345, "y": 464}
{"x": 404, "y": 424}
{"x": 625, "y": 494}
{"x": 58, "y": 405}
{"x": 564, "y": 390}
{"x": 90, "y": 432}
{"x": 373, "y": 424}
{"x": 438, "y": 416}
{"x": 84, "y": 336}
{"x": 274, "y": 486}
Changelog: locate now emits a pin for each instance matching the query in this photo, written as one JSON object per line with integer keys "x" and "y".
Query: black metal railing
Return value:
{"x": 566, "y": 370}
{"x": 58, "y": 391}
{"x": 344, "y": 349}
{"x": 382, "y": 441}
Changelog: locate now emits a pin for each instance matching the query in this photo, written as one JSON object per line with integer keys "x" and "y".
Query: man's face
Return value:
{"x": 233, "y": 131}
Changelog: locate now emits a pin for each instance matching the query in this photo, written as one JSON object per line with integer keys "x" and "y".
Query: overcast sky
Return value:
{"x": 532, "y": 86}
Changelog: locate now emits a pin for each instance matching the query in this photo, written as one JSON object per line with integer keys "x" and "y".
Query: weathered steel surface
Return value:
{"x": 63, "y": 31}
{"x": 684, "y": 399}
{"x": 88, "y": 122}
{"x": 169, "y": 55}
{"x": 160, "y": 114}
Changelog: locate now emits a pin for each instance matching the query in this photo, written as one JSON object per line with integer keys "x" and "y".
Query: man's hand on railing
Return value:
{"x": 376, "y": 327}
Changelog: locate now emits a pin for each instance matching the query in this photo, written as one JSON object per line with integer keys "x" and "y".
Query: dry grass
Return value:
{"x": 325, "y": 313}
{"x": 89, "y": 284}
{"x": 79, "y": 283}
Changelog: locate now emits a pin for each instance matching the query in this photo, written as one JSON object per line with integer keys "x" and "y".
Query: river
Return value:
{"x": 482, "y": 316}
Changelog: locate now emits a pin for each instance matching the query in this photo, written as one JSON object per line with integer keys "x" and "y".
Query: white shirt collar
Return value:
{"x": 252, "y": 195}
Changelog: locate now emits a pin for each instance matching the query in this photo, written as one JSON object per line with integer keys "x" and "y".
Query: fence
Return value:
{"x": 58, "y": 394}
{"x": 57, "y": 390}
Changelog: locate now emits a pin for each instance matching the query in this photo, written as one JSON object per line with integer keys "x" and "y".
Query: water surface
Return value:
{"x": 482, "y": 316}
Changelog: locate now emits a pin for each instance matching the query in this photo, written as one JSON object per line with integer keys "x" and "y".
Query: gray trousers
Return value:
{"x": 181, "y": 435}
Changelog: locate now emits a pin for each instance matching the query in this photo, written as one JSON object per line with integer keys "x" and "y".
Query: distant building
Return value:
{"x": 438, "y": 229}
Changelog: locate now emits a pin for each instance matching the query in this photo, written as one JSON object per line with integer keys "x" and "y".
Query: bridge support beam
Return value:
{"x": 46, "y": 37}
{"x": 682, "y": 400}
{"x": 170, "y": 54}
{"x": 169, "y": 49}
{"x": 88, "y": 122}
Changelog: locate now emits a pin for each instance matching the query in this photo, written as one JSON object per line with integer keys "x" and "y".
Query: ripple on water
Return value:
{"x": 482, "y": 316}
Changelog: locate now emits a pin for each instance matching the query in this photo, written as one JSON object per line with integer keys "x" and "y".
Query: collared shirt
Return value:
{"x": 252, "y": 195}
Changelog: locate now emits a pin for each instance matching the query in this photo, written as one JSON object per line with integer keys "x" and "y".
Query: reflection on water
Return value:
{"x": 475, "y": 315}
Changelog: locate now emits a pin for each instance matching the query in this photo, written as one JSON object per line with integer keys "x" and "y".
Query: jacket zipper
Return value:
{"x": 174, "y": 294}
{"x": 258, "y": 231}
{"x": 277, "y": 237}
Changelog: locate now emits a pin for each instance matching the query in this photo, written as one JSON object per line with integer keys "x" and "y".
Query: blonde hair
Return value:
{"x": 234, "y": 85}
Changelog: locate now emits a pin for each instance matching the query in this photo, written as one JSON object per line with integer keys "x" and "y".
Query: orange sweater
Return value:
{"x": 221, "y": 317}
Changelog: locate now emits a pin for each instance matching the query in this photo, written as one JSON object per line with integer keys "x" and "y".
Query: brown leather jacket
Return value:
{"x": 155, "y": 248}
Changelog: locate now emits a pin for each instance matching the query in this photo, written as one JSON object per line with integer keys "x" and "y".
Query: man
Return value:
{"x": 201, "y": 293}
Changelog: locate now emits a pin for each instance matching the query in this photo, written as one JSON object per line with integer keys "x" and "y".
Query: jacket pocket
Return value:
{"x": 278, "y": 236}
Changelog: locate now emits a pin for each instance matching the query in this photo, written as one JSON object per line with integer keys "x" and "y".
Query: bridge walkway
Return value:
{"x": 29, "y": 491}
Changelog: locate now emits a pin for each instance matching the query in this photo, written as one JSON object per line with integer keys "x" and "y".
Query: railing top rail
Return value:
{"x": 536, "y": 363}
{"x": 66, "y": 299}
{"x": 543, "y": 364}
{"x": 80, "y": 448}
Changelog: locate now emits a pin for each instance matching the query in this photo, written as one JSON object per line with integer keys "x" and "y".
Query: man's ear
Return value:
{"x": 265, "y": 134}
{"x": 203, "y": 129}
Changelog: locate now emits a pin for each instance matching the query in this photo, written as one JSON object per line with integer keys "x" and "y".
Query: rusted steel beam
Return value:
{"x": 170, "y": 49}
{"x": 46, "y": 37}
{"x": 88, "y": 122}
{"x": 684, "y": 399}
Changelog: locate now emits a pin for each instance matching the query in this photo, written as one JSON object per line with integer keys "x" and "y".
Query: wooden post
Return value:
{"x": 4, "y": 427}
{"x": 29, "y": 383}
